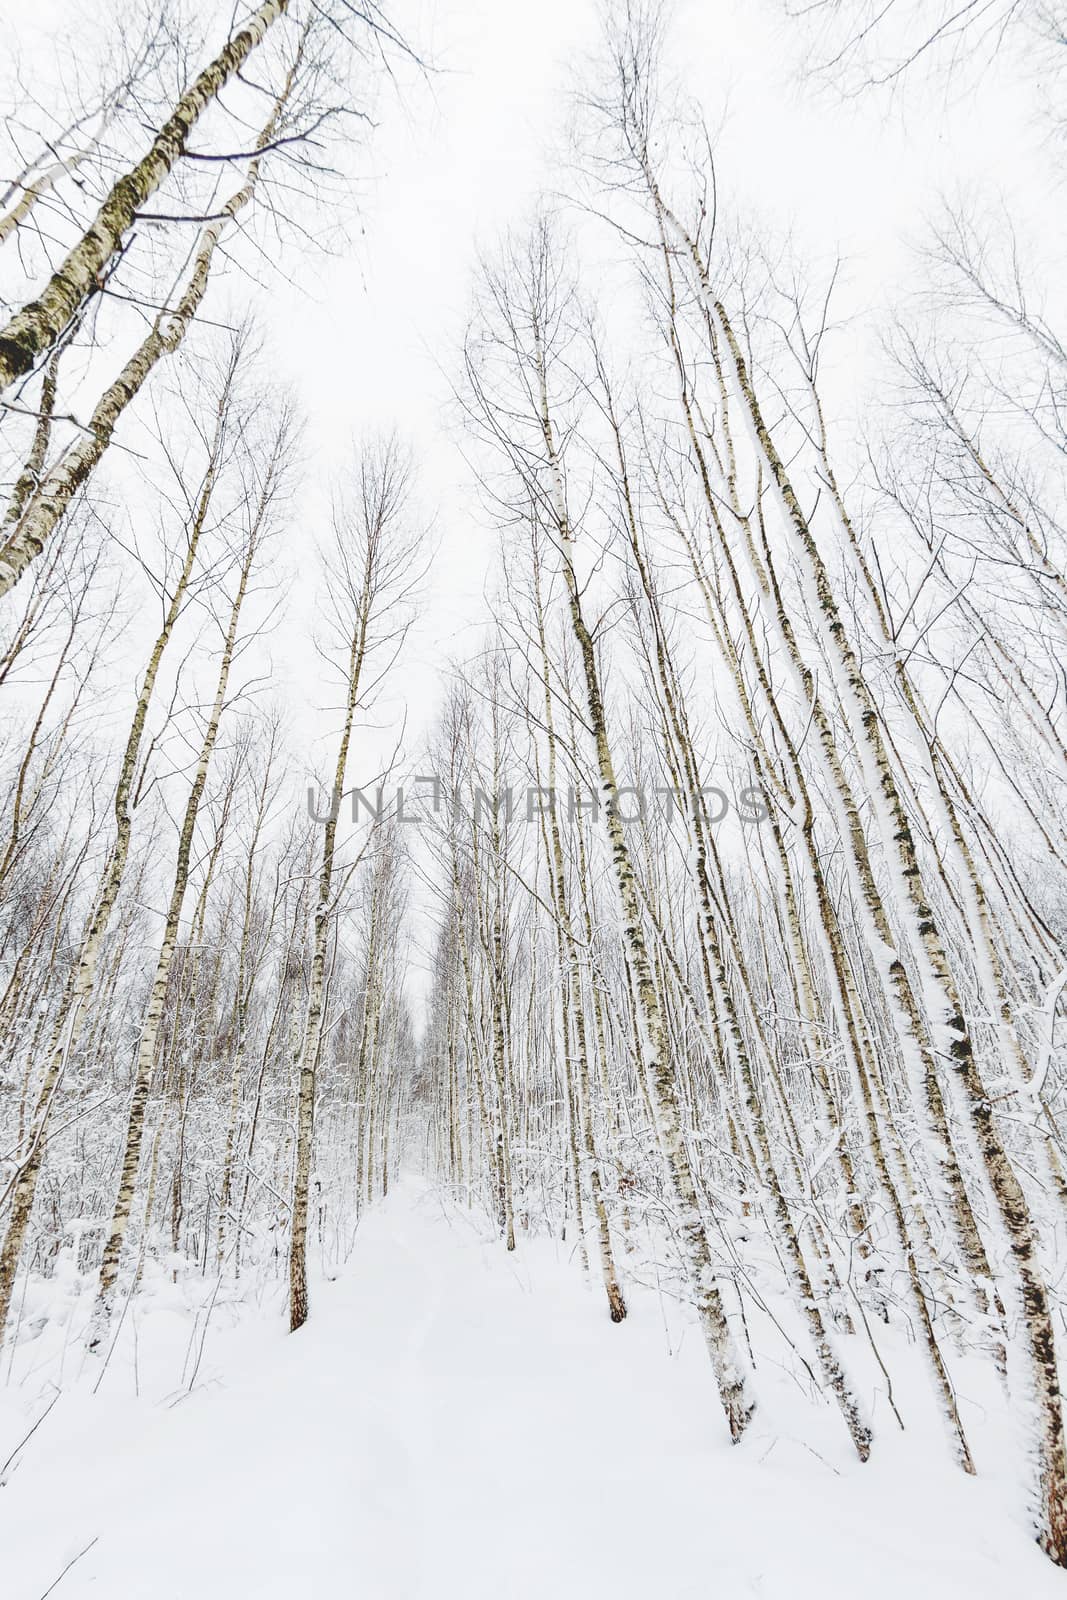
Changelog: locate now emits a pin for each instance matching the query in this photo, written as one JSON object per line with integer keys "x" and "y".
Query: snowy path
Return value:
{"x": 454, "y": 1423}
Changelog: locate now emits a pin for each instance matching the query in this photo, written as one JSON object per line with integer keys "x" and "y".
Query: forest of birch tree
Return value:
{"x": 713, "y": 919}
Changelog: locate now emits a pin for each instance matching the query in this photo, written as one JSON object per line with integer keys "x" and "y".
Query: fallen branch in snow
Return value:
{"x": 25, "y": 1439}
{"x": 72, "y": 1562}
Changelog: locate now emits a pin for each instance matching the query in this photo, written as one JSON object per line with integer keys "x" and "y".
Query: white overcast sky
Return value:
{"x": 460, "y": 159}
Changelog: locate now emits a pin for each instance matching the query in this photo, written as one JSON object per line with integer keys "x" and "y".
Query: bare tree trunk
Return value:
{"x": 53, "y": 496}
{"x": 150, "y": 1027}
{"x": 37, "y": 327}
{"x": 655, "y": 1055}
{"x": 80, "y": 986}
{"x": 373, "y": 570}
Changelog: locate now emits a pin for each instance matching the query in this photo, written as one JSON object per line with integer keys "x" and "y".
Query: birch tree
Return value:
{"x": 372, "y": 573}
{"x": 254, "y": 535}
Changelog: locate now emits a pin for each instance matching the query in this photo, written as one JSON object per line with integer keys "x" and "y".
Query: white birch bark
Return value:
{"x": 37, "y": 327}
{"x": 50, "y": 501}
{"x": 103, "y": 1309}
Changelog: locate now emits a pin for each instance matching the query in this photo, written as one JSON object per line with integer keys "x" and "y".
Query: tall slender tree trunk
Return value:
{"x": 37, "y": 327}
{"x": 150, "y": 1026}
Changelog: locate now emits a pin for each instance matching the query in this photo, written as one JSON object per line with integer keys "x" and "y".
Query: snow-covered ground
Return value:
{"x": 454, "y": 1422}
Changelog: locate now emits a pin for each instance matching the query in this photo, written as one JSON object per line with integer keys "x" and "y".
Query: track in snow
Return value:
{"x": 459, "y": 1424}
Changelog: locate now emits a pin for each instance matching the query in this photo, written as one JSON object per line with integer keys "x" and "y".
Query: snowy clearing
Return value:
{"x": 456, "y": 1422}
